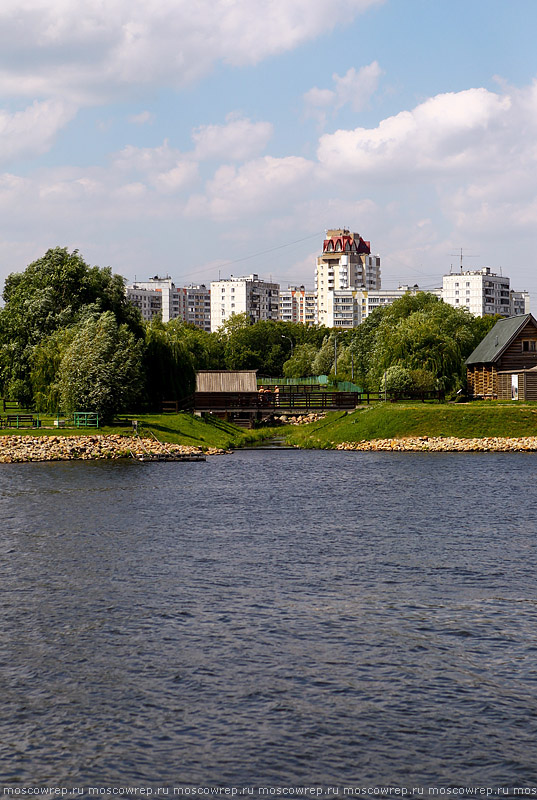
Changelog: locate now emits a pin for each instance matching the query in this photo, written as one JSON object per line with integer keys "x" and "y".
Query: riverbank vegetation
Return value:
{"x": 70, "y": 340}
{"x": 399, "y": 420}
{"x": 182, "y": 429}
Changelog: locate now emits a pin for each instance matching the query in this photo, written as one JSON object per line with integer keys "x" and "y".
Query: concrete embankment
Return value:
{"x": 447, "y": 444}
{"x": 67, "y": 448}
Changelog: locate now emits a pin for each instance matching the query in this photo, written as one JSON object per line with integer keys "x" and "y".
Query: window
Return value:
{"x": 529, "y": 346}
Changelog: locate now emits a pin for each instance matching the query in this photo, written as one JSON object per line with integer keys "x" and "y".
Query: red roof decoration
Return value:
{"x": 346, "y": 244}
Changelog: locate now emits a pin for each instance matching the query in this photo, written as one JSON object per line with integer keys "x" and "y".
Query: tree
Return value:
{"x": 323, "y": 361}
{"x": 422, "y": 332}
{"x": 168, "y": 364}
{"x": 101, "y": 369}
{"x": 54, "y": 292}
{"x": 300, "y": 365}
{"x": 45, "y": 363}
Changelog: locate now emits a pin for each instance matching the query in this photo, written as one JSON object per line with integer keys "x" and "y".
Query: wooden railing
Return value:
{"x": 283, "y": 401}
{"x": 273, "y": 401}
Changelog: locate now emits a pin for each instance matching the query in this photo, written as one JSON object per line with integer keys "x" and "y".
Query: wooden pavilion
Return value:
{"x": 504, "y": 364}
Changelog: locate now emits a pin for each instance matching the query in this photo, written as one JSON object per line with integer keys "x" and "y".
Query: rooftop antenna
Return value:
{"x": 461, "y": 256}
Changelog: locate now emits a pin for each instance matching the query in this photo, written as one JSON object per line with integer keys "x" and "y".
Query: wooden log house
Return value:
{"x": 504, "y": 364}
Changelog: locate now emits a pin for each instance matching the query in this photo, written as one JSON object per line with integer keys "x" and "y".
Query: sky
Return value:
{"x": 207, "y": 138}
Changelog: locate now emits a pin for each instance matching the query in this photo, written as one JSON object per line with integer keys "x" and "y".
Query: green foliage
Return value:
{"x": 45, "y": 363}
{"x": 264, "y": 346}
{"x": 101, "y": 368}
{"x": 423, "y": 381}
{"x": 53, "y": 293}
{"x": 300, "y": 365}
{"x": 421, "y": 332}
{"x": 205, "y": 349}
{"x": 324, "y": 360}
{"x": 167, "y": 363}
{"x": 362, "y": 349}
{"x": 396, "y": 381}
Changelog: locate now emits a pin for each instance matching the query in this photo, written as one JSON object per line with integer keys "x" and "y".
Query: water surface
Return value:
{"x": 270, "y": 618}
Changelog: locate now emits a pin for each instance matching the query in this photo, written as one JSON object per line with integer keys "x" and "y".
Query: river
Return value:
{"x": 270, "y": 618}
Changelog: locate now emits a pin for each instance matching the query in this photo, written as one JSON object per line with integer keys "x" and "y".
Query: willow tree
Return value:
{"x": 101, "y": 369}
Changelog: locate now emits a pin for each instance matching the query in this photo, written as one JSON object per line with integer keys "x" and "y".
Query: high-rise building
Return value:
{"x": 346, "y": 264}
{"x": 297, "y": 304}
{"x": 483, "y": 292}
{"x": 247, "y": 294}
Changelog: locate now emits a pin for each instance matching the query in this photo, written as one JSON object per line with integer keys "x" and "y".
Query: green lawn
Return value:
{"x": 183, "y": 428}
{"x": 397, "y": 420}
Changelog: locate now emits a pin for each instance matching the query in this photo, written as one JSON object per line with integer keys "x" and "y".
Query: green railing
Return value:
{"x": 317, "y": 380}
{"x": 85, "y": 419}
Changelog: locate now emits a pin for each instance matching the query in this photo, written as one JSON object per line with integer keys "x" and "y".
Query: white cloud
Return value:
{"x": 91, "y": 50}
{"x": 144, "y": 118}
{"x": 31, "y": 132}
{"x": 163, "y": 167}
{"x": 447, "y": 132}
{"x": 354, "y": 88}
{"x": 263, "y": 183}
{"x": 239, "y": 139}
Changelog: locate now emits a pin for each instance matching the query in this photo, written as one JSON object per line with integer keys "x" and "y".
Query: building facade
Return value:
{"x": 347, "y": 308}
{"x": 504, "y": 363}
{"x": 346, "y": 264}
{"x": 297, "y": 304}
{"x": 245, "y": 295}
{"x": 483, "y": 292}
{"x": 160, "y": 296}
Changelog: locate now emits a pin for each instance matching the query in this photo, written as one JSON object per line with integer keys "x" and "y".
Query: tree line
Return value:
{"x": 70, "y": 340}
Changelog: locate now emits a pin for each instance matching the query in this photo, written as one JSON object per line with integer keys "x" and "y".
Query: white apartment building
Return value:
{"x": 346, "y": 263}
{"x": 483, "y": 292}
{"x": 161, "y": 296}
{"x": 247, "y": 294}
{"x": 347, "y": 308}
{"x": 297, "y": 304}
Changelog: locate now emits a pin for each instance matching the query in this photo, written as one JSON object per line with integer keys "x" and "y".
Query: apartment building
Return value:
{"x": 297, "y": 304}
{"x": 483, "y": 292}
{"x": 247, "y": 294}
{"x": 161, "y": 296}
{"x": 346, "y": 264}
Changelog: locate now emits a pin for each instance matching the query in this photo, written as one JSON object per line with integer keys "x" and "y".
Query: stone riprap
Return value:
{"x": 446, "y": 444}
{"x": 66, "y": 448}
{"x": 302, "y": 419}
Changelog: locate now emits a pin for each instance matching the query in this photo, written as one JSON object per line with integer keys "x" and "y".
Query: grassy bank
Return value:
{"x": 397, "y": 420}
{"x": 185, "y": 429}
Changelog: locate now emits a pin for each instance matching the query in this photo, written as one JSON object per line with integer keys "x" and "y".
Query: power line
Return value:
{"x": 254, "y": 255}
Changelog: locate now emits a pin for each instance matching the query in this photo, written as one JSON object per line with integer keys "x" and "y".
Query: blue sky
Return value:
{"x": 224, "y": 136}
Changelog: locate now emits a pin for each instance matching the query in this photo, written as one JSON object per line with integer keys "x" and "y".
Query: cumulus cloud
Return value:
{"x": 446, "y": 132}
{"x": 89, "y": 51}
{"x": 238, "y": 140}
{"x": 355, "y": 88}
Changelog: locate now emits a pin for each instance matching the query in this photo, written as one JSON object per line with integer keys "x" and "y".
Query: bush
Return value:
{"x": 397, "y": 382}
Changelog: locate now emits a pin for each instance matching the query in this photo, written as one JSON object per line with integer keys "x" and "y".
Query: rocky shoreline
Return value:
{"x": 448, "y": 444}
{"x": 69, "y": 448}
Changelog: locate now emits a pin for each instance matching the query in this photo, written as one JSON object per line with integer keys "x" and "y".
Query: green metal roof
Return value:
{"x": 497, "y": 339}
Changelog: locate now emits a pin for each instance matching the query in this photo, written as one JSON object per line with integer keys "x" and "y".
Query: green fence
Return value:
{"x": 317, "y": 380}
{"x": 85, "y": 419}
